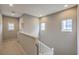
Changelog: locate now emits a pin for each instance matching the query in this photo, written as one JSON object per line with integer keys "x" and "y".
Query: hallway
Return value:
{"x": 11, "y": 47}
{"x": 51, "y": 31}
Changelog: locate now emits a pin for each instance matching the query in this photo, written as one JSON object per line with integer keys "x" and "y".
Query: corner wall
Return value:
{"x": 29, "y": 25}
{"x": 64, "y": 43}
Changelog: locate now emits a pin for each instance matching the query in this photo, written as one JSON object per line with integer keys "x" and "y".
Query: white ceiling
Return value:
{"x": 32, "y": 9}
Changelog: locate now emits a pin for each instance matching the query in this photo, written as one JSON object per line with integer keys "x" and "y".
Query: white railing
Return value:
{"x": 44, "y": 49}
{"x": 26, "y": 39}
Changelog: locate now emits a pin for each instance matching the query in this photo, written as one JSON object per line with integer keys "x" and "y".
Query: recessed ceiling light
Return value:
{"x": 65, "y": 5}
{"x": 10, "y": 4}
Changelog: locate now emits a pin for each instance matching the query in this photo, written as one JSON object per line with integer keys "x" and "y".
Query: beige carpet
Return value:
{"x": 11, "y": 47}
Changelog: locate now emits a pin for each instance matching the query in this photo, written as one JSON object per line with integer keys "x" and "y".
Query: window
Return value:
{"x": 10, "y": 26}
{"x": 67, "y": 25}
{"x": 42, "y": 26}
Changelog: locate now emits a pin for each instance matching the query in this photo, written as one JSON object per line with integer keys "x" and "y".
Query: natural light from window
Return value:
{"x": 10, "y": 26}
{"x": 43, "y": 26}
{"x": 67, "y": 25}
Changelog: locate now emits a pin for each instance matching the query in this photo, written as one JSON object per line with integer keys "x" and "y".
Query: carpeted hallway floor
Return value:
{"x": 11, "y": 47}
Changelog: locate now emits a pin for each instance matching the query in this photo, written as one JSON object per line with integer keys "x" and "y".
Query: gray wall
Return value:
{"x": 64, "y": 43}
{"x": 10, "y": 34}
{"x": 0, "y": 33}
{"x": 0, "y": 29}
{"x": 29, "y": 24}
{"x": 78, "y": 30}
